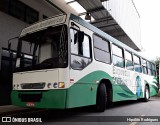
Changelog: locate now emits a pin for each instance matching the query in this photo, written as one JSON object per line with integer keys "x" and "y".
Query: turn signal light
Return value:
{"x": 61, "y": 85}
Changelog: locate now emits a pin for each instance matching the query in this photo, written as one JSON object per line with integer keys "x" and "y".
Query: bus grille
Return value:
{"x": 33, "y": 85}
{"x": 30, "y": 97}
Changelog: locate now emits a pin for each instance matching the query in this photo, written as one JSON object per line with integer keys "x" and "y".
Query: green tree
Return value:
{"x": 157, "y": 60}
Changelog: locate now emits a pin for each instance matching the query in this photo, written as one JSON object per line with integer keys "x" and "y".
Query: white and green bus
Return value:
{"x": 71, "y": 63}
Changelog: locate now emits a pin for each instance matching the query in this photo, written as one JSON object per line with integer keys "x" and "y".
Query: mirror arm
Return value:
{"x": 73, "y": 24}
{"x": 9, "y": 43}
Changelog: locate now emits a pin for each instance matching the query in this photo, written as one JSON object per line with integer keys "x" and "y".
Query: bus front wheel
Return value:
{"x": 101, "y": 98}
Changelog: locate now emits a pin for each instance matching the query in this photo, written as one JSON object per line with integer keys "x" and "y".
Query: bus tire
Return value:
{"x": 109, "y": 99}
{"x": 146, "y": 94}
{"x": 101, "y": 98}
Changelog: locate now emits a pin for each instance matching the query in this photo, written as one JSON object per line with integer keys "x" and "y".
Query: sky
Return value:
{"x": 149, "y": 12}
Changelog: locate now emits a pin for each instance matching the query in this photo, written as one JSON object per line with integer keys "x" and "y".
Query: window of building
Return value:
{"x": 4, "y": 5}
{"x": 101, "y": 49}
{"x": 129, "y": 61}
{"x": 31, "y": 15}
{"x": 80, "y": 52}
{"x": 118, "y": 56}
{"x": 144, "y": 66}
{"x": 19, "y": 10}
{"x": 137, "y": 63}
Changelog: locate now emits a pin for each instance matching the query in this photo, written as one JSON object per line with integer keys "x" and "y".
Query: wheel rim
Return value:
{"x": 147, "y": 94}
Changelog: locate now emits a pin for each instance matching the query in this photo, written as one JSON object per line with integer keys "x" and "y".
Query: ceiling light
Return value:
{"x": 88, "y": 16}
{"x": 77, "y": 7}
{"x": 68, "y": 0}
{"x": 83, "y": 17}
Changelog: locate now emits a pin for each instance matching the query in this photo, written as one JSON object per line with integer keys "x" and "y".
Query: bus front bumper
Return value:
{"x": 55, "y": 99}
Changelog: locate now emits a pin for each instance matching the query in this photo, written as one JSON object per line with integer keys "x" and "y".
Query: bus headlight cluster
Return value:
{"x": 18, "y": 86}
{"x": 49, "y": 85}
{"x": 56, "y": 85}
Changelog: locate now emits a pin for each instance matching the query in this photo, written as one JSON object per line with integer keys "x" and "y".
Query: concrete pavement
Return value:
{"x": 9, "y": 109}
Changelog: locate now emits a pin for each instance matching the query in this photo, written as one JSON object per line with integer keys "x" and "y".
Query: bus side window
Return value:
{"x": 80, "y": 52}
{"x": 153, "y": 70}
{"x": 118, "y": 56}
{"x": 144, "y": 66}
{"x": 137, "y": 63}
{"x": 74, "y": 46}
{"x": 129, "y": 60}
{"x": 149, "y": 68}
{"x": 101, "y": 49}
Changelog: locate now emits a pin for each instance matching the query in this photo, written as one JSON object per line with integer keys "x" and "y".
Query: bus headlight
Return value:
{"x": 49, "y": 85}
{"x": 18, "y": 62}
{"x": 55, "y": 85}
{"x": 61, "y": 85}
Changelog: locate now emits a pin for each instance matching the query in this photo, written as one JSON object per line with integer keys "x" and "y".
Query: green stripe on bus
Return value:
{"x": 80, "y": 93}
{"x": 84, "y": 91}
{"x": 153, "y": 90}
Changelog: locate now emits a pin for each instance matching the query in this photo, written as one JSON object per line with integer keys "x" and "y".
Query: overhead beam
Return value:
{"x": 118, "y": 35}
{"x": 51, "y": 3}
{"x": 102, "y": 20}
{"x": 117, "y": 29}
{"x": 108, "y": 25}
{"x": 92, "y": 10}
{"x": 71, "y": 2}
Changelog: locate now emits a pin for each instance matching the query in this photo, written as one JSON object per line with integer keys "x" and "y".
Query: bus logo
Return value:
{"x": 6, "y": 119}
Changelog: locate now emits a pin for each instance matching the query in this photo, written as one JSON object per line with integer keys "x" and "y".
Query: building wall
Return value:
{"x": 126, "y": 15}
{"x": 43, "y": 7}
{"x": 11, "y": 27}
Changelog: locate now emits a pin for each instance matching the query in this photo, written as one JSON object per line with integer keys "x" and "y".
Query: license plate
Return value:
{"x": 30, "y": 104}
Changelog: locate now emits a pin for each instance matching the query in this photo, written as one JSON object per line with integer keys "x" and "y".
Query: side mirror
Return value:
{"x": 79, "y": 36}
{"x": 9, "y": 46}
{"x": 9, "y": 42}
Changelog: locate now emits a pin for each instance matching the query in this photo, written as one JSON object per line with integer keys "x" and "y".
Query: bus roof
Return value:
{"x": 102, "y": 34}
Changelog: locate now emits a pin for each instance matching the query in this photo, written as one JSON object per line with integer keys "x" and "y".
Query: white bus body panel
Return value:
{"x": 42, "y": 76}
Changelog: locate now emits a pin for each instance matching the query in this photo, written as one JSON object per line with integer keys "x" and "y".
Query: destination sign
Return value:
{"x": 44, "y": 24}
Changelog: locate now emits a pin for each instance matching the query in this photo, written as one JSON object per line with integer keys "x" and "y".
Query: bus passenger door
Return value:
{"x": 79, "y": 91}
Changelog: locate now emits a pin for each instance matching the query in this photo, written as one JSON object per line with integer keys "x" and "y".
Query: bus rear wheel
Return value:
{"x": 101, "y": 98}
{"x": 146, "y": 94}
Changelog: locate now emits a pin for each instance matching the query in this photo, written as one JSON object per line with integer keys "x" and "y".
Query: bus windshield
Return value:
{"x": 44, "y": 49}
